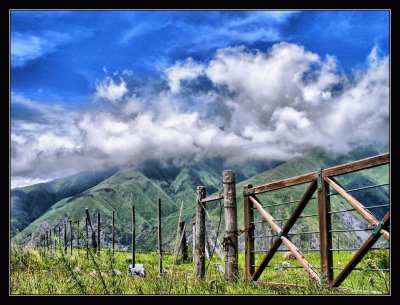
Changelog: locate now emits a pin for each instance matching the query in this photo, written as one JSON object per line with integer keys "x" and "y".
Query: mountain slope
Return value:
{"x": 29, "y": 203}
{"x": 141, "y": 186}
{"x": 177, "y": 185}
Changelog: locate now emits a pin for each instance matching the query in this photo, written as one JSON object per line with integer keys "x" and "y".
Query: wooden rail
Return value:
{"x": 212, "y": 198}
{"x": 333, "y": 171}
{"x": 321, "y": 181}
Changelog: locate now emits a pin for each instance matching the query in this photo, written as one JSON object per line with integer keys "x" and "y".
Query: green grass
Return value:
{"x": 36, "y": 272}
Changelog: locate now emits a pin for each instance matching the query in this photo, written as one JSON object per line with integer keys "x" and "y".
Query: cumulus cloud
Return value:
{"x": 110, "y": 90}
{"x": 182, "y": 71}
{"x": 258, "y": 105}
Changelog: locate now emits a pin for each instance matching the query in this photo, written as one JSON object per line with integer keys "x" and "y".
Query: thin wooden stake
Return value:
{"x": 113, "y": 234}
{"x": 71, "y": 233}
{"x": 159, "y": 238}
{"x": 133, "y": 236}
{"x": 77, "y": 235}
{"x": 87, "y": 238}
{"x": 200, "y": 234}
{"x": 183, "y": 245}
{"x": 98, "y": 233}
{"x": 94, "y": 243}
{"x": 193, "y": 240}
{"x": 65, "y": 237}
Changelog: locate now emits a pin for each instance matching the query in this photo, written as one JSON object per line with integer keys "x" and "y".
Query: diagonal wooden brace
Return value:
{"x": 356, "y": 205}
{"x": 360, "y": 253}
{"x": 281, "y": 232}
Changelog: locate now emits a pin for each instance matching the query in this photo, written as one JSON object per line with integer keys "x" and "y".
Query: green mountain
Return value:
{"x": 29, "y": 203}
{"x": 143, "y": 185}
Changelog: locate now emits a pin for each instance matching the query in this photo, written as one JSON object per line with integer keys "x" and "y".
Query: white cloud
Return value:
{"x": 110, "y": 90}
{"x": 279, "y": 104}
{"x": 182, "y": 71}
{"x": 28, "y": 47}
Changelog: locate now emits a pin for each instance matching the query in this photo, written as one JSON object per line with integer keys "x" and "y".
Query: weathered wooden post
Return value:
{"x": 98, "y": 233}
{"x": 71, "y": 234}
{"x": 47, "y": 240}
{"x": 193, "y": 239}
{"x": 113, "y": 234}
{"x": 159, "y": 238}
{"x": 183, "y": 244}
{"x": 51, "y": 242}
{"x": 59, "y": 232}
{"x": 87, "y": 238}
{"x": 200, "y": 246}
{"x": 65, "y": 237}
{"x": 77, "y": 235}
{"x": 94, "y": 244}
{"x": 324, "y": 229}
{"x": 133, "y": 236}
{"x": 249, "y": 233}
{"x": 231, "y": 232}
{"x": 55, "y": 239}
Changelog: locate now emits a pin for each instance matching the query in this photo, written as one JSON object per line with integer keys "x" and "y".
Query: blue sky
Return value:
{"x": 72, "y": 69}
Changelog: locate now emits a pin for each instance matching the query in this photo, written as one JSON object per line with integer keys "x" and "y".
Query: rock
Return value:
{"x": 137, "y": 271}
{"x": 218, "y": 267}
{"x": 115, "y": 272}
{"x": 93, "y": 273}
{"x": 288, "y": 255}
{"x": 285, "y": 265}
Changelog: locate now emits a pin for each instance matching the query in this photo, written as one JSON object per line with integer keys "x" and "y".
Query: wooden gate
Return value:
{"x": 319, "y": 181}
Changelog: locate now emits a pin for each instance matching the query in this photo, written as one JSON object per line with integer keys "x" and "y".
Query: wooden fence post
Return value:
{"x": 65, "y": 237}
{"x": 51, "y": 241}
{"x": 55, "y": 239}
{"x": 193, "y": 239}
{"x": 47, "y": 240}
{"x": 133, "y": 236}
{"x": 98, "y": 233}
{"x": 249, "y": 234}
{"x": 231, "y": 232}
{"x": 71, "y": 234}
{"x": 94, "y": 244}
{"x": 113, "y": 234}
{"x": 77, "y": 235}
{"x": 324, "y": 229}
{"x": 87, "y": 238}
{"x": 159, "y": 238}
{"x": 183, "y": 244}
{"x": 200, "y": 231}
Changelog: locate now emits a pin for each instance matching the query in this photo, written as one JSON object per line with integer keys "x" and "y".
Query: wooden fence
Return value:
{"x": 321, "y": 182}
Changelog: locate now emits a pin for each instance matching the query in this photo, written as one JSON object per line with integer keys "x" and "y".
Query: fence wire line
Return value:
{"x": 216, "y": 234}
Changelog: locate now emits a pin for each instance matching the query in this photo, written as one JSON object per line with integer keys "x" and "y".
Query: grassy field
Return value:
{"x": 36, "y": 272}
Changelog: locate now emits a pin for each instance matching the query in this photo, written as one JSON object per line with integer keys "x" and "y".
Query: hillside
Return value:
{"x": 141, "y": 186}
{"x": 29, "y": 203}
{"x": 176, "y": 185}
